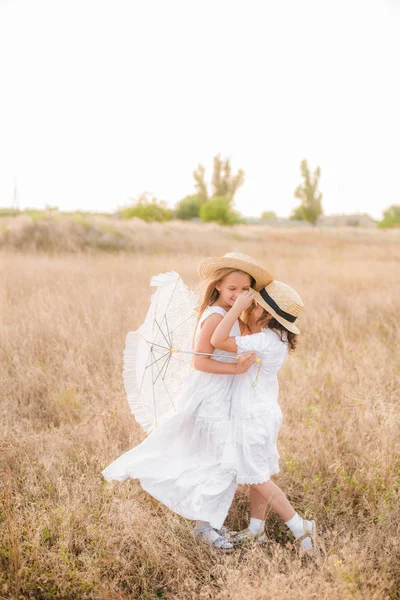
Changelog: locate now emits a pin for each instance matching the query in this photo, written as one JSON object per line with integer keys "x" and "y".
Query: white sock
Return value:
{"x": 256, "y": 525}
{"x": 211, "y": 534}
{"x": 296, "y": 526}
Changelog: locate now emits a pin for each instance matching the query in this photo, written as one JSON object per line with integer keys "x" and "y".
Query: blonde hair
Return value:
{"x": 210, "y": 292}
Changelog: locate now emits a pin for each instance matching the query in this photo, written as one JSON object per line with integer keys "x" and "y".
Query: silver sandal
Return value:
{"x": 220, "y": 542}
{"x": 225, "y": 532}
{"x": 312, "y": 535}
{"x": 245, "y": 536}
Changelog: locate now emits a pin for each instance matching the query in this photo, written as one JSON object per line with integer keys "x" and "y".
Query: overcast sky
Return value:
{"x": 104, "y": 99}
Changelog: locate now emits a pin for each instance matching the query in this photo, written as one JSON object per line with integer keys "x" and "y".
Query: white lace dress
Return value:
{"x": 256, "y": 415}
{"x": 180, "y": 463}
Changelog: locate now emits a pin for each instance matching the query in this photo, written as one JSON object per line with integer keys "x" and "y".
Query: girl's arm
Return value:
{"x": 220, "y": 338}
{"x": 206, "y": 363}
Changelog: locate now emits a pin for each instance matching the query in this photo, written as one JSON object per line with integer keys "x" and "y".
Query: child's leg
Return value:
{"x": 258, "y": 504}
{"x": 258, "y": 508}
{"x": 279, "y": 503}
{"x": 276, "y": 499}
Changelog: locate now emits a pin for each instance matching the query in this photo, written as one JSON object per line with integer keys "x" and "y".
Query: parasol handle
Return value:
{"x": 175, "y": 351}
{"x": 256, "y": 361}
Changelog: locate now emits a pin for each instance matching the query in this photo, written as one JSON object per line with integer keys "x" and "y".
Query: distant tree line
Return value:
{"x": 215, "y": 201}
{"x": 217, "y": 204}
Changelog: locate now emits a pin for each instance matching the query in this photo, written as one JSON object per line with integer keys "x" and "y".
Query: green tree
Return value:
{"x": 148, "y": 209}
{"x": 268, "y": 215}
{"x": 223, "y": 182}
{"x": 391, "y": 217}
{"x": 298, "y": 214}
{"x": 200, "y": 184}
{"x": 219, "y": 209}
{"x": 310, "y": 198}
{"x": 189, "y": 207}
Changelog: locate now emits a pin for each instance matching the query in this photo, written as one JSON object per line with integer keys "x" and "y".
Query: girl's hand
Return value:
{"x": 245, "y": 361}
{"x": 244, "y": 300}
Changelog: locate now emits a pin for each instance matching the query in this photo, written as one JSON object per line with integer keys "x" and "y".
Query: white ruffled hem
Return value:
{"x": 215, "y": 518}
{"x": 256, "y": 479}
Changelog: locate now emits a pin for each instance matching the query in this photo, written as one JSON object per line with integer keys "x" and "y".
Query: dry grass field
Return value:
{"x": 65, "y": 310}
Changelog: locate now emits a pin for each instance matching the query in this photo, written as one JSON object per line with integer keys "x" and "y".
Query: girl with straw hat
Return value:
{"x": 270, "y": 315}
{"x": 224, "y": 279}
{"x": 180, "y": 463}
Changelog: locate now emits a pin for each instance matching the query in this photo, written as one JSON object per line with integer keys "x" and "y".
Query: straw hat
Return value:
{"x": 282, "y": 302}
{"x": 235, "y": 260}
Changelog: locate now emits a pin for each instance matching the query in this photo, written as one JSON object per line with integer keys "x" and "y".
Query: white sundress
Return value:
{"x": 256, "y": 415}
{"x": 180, "y": 463}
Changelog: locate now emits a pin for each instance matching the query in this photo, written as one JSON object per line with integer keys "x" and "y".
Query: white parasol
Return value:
{"x": 157, "y": 356}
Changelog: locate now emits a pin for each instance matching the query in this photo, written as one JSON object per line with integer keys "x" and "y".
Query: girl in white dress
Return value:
{"x": 256, "y": 416}
{"x": 180, "y": 463}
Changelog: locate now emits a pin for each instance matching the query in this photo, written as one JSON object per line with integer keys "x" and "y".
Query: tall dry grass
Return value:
{"x": 66, "y": 533}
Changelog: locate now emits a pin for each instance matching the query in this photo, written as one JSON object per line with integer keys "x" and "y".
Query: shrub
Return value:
{"x": 219, "y": 209}
{"x": 148, "y": 210}
{"x": 391, "y": 217}
{"x": 189, "y": 207}
{"x": 9, "y": 212}
{"x": 268, "y": 215}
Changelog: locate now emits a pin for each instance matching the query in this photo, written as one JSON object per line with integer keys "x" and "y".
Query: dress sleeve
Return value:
{"x": 269, "y": 347}
{"x": 265, "y": 342}
{"x": 251, "y": 343}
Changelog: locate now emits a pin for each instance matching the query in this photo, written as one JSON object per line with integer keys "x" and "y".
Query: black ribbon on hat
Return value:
{"x": 271, "y": 302}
